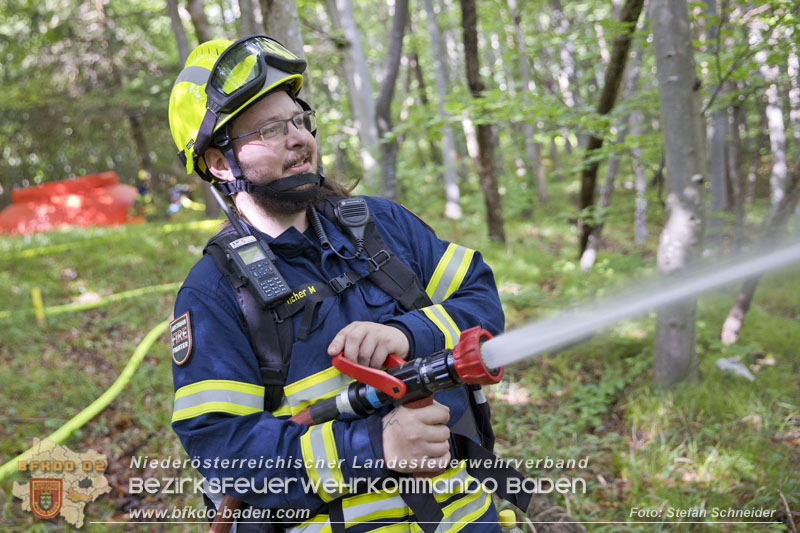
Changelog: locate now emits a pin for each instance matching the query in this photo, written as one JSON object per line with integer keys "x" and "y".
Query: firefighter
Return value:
{"x": 241, "y": 369}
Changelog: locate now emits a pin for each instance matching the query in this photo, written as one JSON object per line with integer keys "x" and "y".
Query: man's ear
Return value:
{"x": 217, "y": 164}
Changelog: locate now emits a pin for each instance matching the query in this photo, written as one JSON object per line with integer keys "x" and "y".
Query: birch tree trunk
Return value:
{"x": 486, "y": 170}
{"x": 178, "y": 31}
{"x": 774, "y": 225}
{"x": 452, "y": 192}
{"x": 775, "y": 124}
{"x": 619, "y": 57}
{"x": 675, "y": 355}
{"x": 359, "y": 86}
{"x": 383, "y": 105}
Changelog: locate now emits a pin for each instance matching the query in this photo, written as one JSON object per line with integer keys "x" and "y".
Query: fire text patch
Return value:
{"x": 180, "y": 334}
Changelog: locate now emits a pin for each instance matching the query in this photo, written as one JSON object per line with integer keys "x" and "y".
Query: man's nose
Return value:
{"x": 295, "y": 135}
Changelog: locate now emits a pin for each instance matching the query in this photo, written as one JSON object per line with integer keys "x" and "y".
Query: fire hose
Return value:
{"x": 408, "y": 383}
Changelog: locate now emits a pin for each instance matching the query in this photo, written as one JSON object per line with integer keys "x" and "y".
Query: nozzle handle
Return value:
{"x": 375, "y": 377}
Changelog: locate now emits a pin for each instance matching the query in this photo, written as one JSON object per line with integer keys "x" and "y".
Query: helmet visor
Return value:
{"x": 247, "y": 66}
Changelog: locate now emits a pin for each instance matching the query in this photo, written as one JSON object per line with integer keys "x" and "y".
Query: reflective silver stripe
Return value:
{"x": 449, "y": 274}
{"x": 355, "y": 512}
{"x": 479, "y": 396}
{"x": 194, "y": 74}
{"x": 458, "y": 518}
{"x": 443, "y": 321}
{"x": 318, "y": 390}
{"x": 219, "y": 395}
{"x": 323, "y": 468}
{"x": 322, "y": 461}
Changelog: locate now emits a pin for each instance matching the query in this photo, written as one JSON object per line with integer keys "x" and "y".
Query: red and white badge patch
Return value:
{"x": 180, "y": 334}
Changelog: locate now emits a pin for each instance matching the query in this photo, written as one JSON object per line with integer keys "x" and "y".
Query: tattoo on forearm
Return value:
{"x": 391, "y": 420}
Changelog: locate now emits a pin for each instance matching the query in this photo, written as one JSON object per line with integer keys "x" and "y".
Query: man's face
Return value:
{"x": 296, "y": 153}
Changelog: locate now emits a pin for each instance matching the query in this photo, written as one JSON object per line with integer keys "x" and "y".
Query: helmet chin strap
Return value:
{"x": 279, "y": 189}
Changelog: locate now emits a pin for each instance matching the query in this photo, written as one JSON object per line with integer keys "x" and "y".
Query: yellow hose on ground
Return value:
{"x": 67, "y": 308}
{"x": 61, "y": 434}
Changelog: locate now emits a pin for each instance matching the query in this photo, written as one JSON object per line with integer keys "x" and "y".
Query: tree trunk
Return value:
{"x": 203, "y": 31}
{"x": 568, "y": 76}
{"x": 146, "y": 166}
{"x": 282, "y": 22}
{"x": 413, "y": 65}
{"x": 383, "y": 105}
{"x": 178, "y": 31}
{"x": 250, "y": 20}
{"x": 486, "y": 170}
{"x": 675, "y": 355}
{"x": 775, "y": 124}
{"x": 717, "y": 132}
{"x": 774, "y": 225}
{"x": 640, "y": 233}
{"x": 197, "y": 11}
{"x": 452, "y": 191}
{"x": 736, "y": 173}
{"x": 359, "y": 83}
{"x": 631, "y": 76}
{"x": 613, "y": 79}
{"x": 794, "y": 93}
{"x": 533, "y": 150}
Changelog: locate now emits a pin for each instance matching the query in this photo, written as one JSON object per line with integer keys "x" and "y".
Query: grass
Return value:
{"x": 722, "y": 442}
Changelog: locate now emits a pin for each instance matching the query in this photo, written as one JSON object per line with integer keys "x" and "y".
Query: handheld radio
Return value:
{"x": 253, "y": 260}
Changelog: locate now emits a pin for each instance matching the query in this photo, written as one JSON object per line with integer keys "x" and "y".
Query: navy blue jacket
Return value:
{"x": 217, "y": 410}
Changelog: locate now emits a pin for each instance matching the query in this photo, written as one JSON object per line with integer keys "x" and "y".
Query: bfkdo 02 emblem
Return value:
{"x": 46, "y": 497}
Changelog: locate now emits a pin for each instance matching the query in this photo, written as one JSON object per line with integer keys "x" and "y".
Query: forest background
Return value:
{"x": 545, "y": 134}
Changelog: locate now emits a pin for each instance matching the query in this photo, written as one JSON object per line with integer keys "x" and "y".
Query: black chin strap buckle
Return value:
{"x": 229, "y": 188}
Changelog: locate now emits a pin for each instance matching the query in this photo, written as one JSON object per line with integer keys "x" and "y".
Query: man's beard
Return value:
{"x": 274, "y": 205}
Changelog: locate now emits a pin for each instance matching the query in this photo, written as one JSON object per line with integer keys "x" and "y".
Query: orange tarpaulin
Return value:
{"x": 93, "y": 200}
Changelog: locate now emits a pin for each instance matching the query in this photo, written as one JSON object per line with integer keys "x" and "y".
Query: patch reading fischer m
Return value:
{"x": 180, "y": 334}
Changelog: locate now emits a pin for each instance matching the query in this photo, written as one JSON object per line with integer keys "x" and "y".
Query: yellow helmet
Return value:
{"x": 220, "y": 79}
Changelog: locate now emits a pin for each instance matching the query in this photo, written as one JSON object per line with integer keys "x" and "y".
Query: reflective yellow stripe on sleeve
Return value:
{"x": 442, "y": 320}
{"x": 449, "y": 272}
{"x": 322, "y": 461}
{"x": 217, "y": 395}
{"x": 311, "y": 389}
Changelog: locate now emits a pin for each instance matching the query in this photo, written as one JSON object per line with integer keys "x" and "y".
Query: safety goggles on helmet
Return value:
{"x": 246, "y": 70}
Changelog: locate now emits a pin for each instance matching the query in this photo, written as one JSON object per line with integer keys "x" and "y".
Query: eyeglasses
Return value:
{"x": 277, "y": 130}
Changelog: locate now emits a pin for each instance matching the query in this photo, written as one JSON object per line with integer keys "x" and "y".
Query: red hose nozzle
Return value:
{"x": 468, "y": 362}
